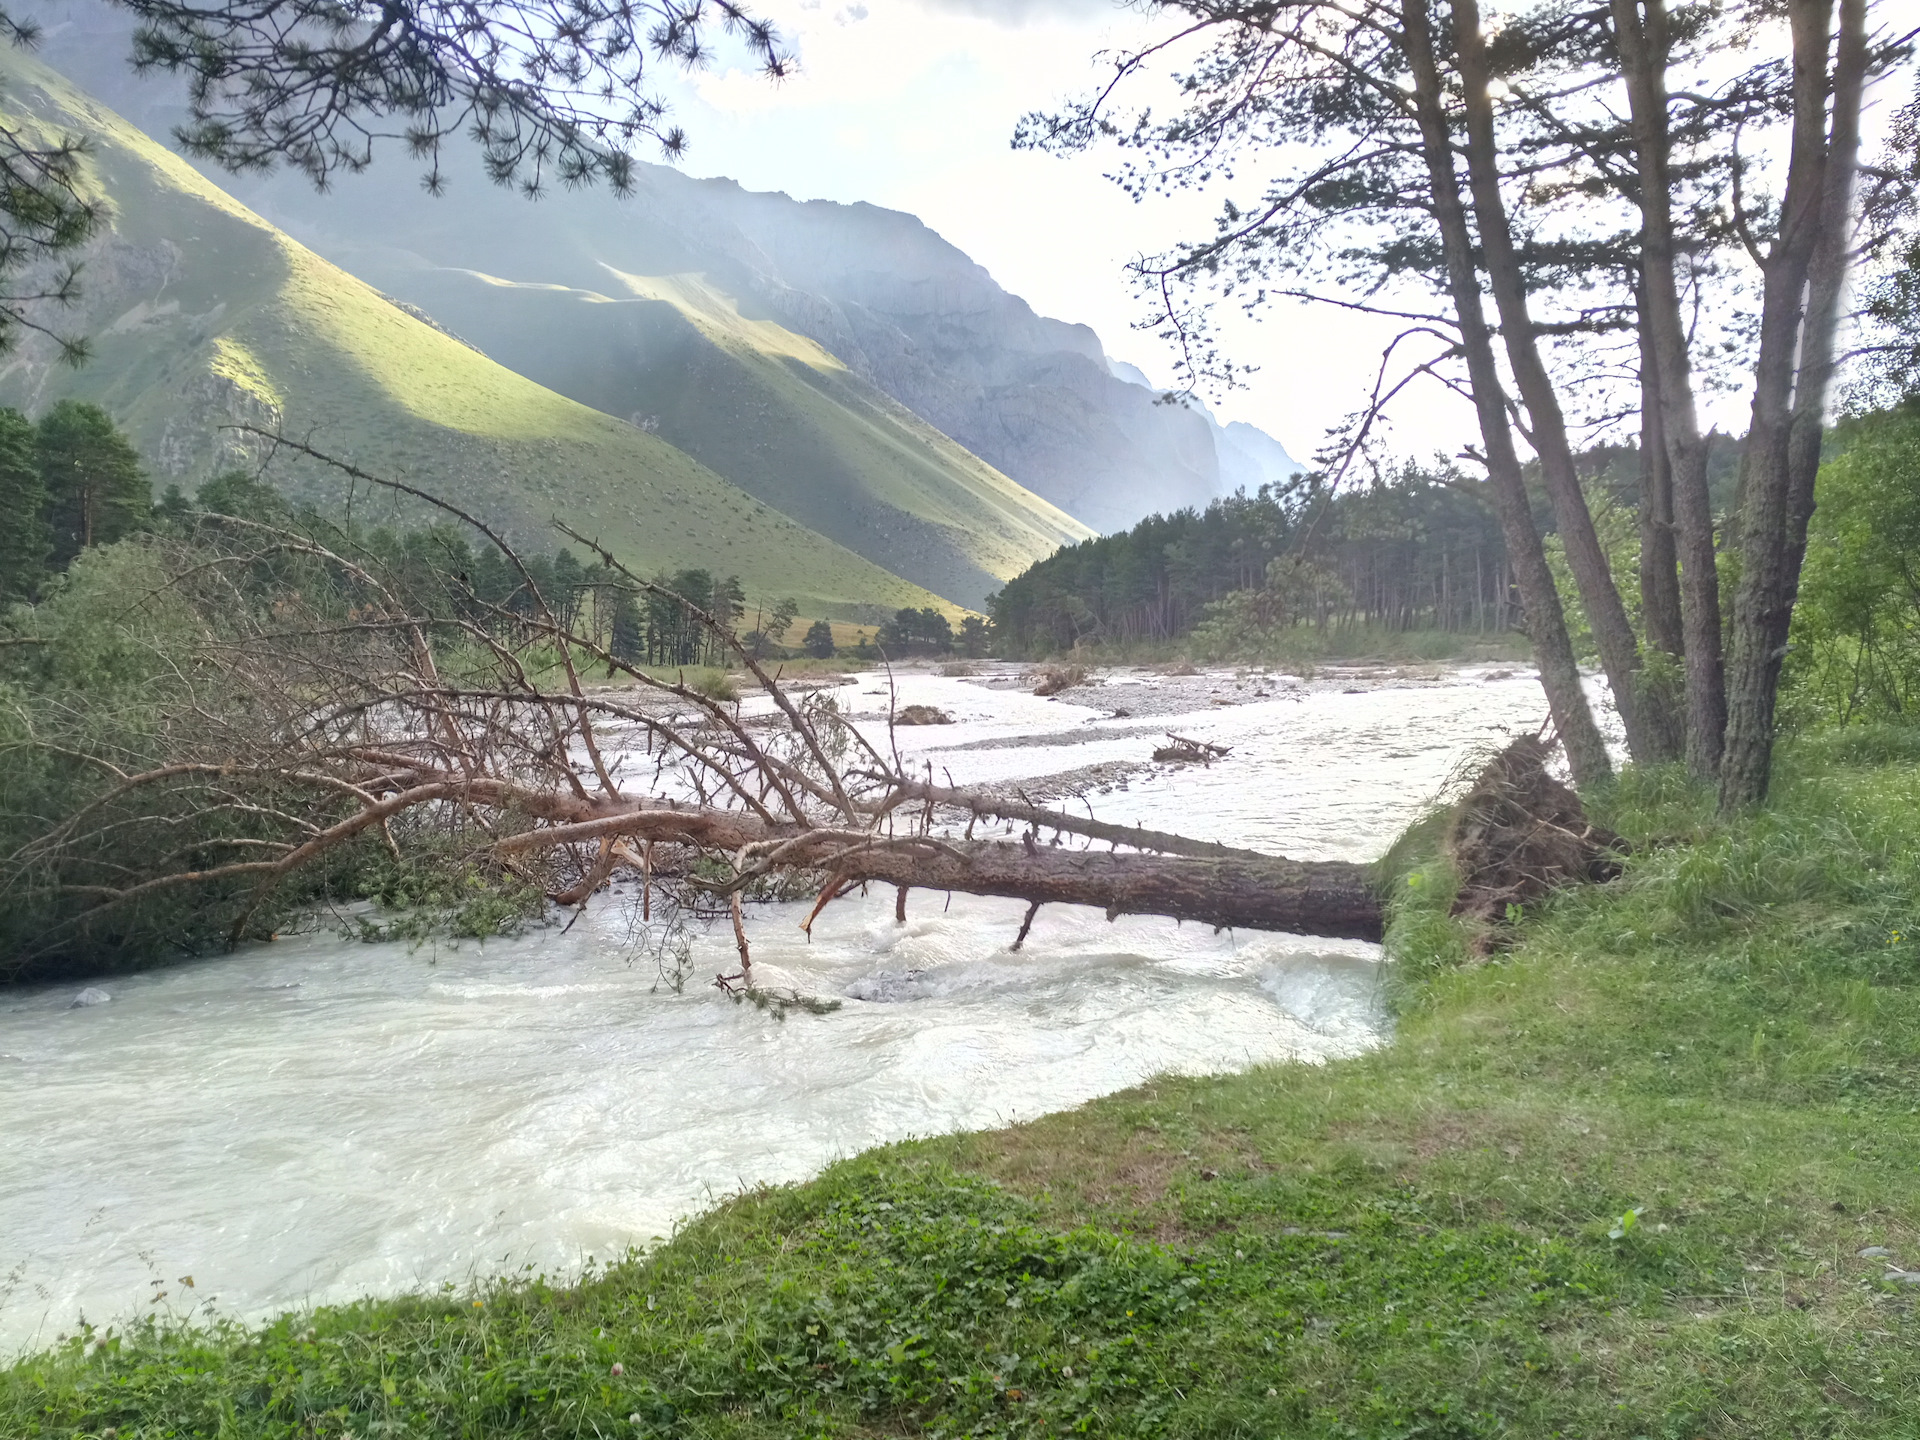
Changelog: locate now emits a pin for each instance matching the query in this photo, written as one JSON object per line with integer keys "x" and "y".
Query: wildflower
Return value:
{"x": 618, "y": 1368}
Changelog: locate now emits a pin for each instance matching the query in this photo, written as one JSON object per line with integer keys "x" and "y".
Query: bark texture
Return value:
{"x": 1643, "y": 47}
{"x": 1606, "y": 614}
{"x": 1545, "y": 620}
{"x": 1806, "y": 269}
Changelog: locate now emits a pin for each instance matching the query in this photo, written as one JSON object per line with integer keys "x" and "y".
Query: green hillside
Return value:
{"x": 773, "y": 411}
{"x": 203, "y": 315}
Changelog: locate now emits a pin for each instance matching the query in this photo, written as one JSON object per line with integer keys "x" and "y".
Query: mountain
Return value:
{"x": 773, "y": 411}
{"x": 905, "y": 315}
{"x": 203, "y": 315}
{"x": 1245, "y": 456}
{"x": 1250, "y": 458}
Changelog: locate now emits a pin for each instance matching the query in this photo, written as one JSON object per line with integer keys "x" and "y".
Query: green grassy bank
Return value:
{"x": 1614, "y": 1183}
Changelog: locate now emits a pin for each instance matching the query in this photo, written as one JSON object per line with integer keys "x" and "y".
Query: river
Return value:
{"x": 316, "y": 1119}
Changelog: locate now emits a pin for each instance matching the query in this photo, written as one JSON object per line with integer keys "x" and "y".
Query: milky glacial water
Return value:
{"x": 317, "y": 1119}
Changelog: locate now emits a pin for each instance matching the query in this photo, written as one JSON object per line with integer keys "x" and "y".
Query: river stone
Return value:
{"x": 92, "y": 995}
{"x": 1875, "y": 1252}
{"x": 890, "y": 987}
{"x": 1902, "y": 1277}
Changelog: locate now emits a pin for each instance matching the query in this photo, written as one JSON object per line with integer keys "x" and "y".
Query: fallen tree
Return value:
{"x": 328, "y": 715}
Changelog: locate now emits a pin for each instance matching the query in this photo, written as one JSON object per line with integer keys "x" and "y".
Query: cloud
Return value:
{"x": 1015, "y": 14}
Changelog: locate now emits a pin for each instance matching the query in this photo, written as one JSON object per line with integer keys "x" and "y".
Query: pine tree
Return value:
{"x": 25, "y": 538}
{"x": 95, "y": 491}
{"x": 628, "y": 642}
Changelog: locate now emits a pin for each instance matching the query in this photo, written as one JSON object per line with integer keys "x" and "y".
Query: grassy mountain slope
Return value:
{"x": 773, "y": 411}
{"x": 203, "y": 315}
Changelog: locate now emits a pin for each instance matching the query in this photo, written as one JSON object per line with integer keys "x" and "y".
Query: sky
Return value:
{"x": 911, "y": 105}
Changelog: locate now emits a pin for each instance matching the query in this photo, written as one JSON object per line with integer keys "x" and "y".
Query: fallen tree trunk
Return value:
{"x": 1241, "y": 890}
{"x": 1322, "y": 897}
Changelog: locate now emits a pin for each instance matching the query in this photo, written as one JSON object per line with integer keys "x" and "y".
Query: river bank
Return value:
{"x": 1650, "y": 1173}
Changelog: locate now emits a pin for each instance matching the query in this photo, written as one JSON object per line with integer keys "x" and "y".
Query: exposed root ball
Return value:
{"x": 1519, "y": 833}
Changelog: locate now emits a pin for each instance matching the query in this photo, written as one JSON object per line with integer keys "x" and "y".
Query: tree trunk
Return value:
{"x": 1643, "y": 57}
{"x": 1545, "y": 620}
{"x": 1332, "y": 898}
{"x": 1659, "y": 561}
{"x": 1606, "y": 615}
{"x": 1790, "y": 380}
{"x": 1235, "y": 888}
{"x": 1659, "y": 572}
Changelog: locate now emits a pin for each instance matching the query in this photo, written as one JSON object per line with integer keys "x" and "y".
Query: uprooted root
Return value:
{"x": 1519, "y": 833}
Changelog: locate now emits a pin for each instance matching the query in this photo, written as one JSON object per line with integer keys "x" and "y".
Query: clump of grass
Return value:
{"x": 713, "y": 683}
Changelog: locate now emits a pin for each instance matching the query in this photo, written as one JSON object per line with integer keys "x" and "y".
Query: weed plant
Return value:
{"x": 1648, "y": 1173}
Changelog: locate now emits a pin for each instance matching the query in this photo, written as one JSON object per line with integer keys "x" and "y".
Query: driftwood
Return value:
{"x": 1180, "y": 750}
{"x": 1053, "y": 679}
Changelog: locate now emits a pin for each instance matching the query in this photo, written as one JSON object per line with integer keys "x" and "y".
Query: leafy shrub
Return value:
{"x": 1856, "y": 629}
{"x": 713, "y": 683}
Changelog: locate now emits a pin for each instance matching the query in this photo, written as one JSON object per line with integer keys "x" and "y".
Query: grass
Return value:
{"x": 1431, "y": 1240}
{"x": 202, "y": 315}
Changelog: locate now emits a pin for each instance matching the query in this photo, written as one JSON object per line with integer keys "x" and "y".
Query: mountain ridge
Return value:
{"x": 903, "y": 308}
{"x": 909, "y": 313}
{"x": 205, "y": 316}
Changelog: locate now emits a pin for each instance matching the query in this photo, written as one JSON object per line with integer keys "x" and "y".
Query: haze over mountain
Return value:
{"x": 904, "y": 313}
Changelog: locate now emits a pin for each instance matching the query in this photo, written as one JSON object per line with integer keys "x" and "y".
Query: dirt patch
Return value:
{"x": 1126, "y": 1172}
